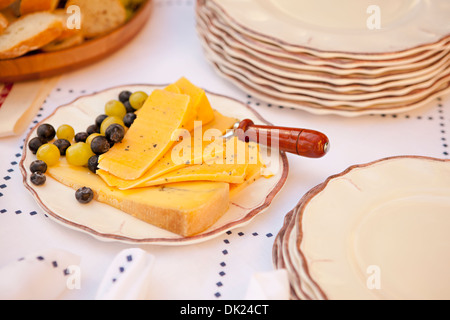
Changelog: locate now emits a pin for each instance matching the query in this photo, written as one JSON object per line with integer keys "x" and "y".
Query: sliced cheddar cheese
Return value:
{"x": 204, "y": 172}
{"x": 182, "y": 208}
{"x": 202, "y": 110}
{"x": 254, "y": 171}
{"x": 167, "y": 164}
{"x": 149, "y": 138}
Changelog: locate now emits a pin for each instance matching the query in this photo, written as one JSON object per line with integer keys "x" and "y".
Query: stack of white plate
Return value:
{"x": 344, "y": 57}
{"x": 375, "y": 231}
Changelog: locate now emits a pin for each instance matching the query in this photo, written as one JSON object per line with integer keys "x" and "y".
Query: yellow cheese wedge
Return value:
{"x": 149, "y": 138}
{"x": 182, "y": 208}
{"x": 167, "y": 164}
{"x": 173, "y": 88}
{"x": 202, "y": 110}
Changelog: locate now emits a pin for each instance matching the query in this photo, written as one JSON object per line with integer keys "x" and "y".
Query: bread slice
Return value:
{"x": 100, "y": 17}
{"x": 3, "y": 23}
{"x": 67, "y": 32}
{"x": 65, "y": 43}
{"x": 6, "y": 3}
{"x": 29, "y": 33}
{"x": 31, "y": 6}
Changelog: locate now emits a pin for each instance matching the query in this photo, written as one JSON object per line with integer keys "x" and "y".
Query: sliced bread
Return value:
{"x": 29, "y": 33}
{"x": 6, "y": 3}
{"x": 3, "y": 23}
{"x": 31, "y": 6}
{"x": 100, "y": 17}
{"x": 65, "y": 43}
{"x": 67, "y": 32}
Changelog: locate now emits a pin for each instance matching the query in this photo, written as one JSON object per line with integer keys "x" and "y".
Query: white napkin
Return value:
{"x": 44, "y": 275}
{"x": 272, "y": 285}
{"x": 127, "y": 278}
{"x": 19, "y": 103}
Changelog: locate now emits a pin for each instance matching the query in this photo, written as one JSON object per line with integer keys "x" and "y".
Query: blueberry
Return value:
{"x": 128, "y": 107}
{"x": 38, "y": 178}
{"x": 100, "y": 145}
{"x": 34, "y": 144}
{"x": 99, "y": 120}
{"x": 84, "y": 195}
{"x": 129, "y": 119}
{"x": 115, "y": 133}
{"x": 93, "y": 129}
{"x": 46, "y": 132}
{"x": 93, "y": 163}
{"x": 124, "y": 96}
{"x": 81, "y": 137}
{"x": 62, "y": 145}
{"x": 38, "y": 166}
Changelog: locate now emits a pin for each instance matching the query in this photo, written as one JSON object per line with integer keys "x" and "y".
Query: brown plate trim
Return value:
{"x": 299, "y": 210}
{"x": 281, "y": 43}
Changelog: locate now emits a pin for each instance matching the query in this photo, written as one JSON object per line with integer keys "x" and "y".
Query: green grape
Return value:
{"x": 65, "y": 132}
{"x": 109, "y": 121}
{"x": 138, "y": 99}
{"x": 125, "y": 3}
{"x": 78, "y": 154}
{"x": 91, "y": 137}
{"x": 49, "y": 153}
{"x": 115, "y": 108}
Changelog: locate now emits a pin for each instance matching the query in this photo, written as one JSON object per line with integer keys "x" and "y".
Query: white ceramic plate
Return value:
{"x": 374, "y": 231}
{"x": 244, "y": 41}
{"x": 327, "y": 94}
{"x": 326, "y": 84}
{"x": 410, "y": 72}
{"x": 109, "y": 224}
{"x": 327, "y": 27}
{"x": 267, "y": 94}
{"x": 256, "y": 50}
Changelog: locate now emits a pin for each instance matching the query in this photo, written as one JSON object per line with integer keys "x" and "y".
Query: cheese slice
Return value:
{"x": 167, "y": 164}
{"x": 254, "y": 171}
{"x": 201, "y": 107}
{"x": 149, "y": 138}
{"x": 182, "y": 208}
{"x": 204, "y": 172}
{"x": 228, "y": 166}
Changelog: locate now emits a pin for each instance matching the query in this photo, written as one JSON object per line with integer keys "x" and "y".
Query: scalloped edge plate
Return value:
{"x": 109, "y": 224}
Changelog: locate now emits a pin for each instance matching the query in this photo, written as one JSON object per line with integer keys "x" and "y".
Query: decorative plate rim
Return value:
{"x": 296, "y": 214}
{"x": 283, "y": 44}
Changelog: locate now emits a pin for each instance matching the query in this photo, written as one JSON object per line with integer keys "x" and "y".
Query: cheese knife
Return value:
{"x": 303, "y": 142}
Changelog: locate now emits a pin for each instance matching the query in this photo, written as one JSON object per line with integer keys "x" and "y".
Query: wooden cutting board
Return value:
{"x": 42, "y": 65}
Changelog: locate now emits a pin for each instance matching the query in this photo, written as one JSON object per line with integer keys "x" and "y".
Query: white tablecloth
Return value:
{"x": 221, "y": 268}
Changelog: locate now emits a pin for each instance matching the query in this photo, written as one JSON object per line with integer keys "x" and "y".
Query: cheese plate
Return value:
{"x": 107, "y": 223}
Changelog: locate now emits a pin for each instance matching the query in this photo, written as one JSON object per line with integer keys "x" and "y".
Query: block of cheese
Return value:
{"x": 167, "y": 164}
{"x": 150, "y": 136}
{"x": 201, "y": 107}
{"x": 182, "y": 208}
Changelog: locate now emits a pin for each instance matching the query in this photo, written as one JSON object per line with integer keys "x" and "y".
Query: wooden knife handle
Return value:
{"x": 302, "y": 142}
